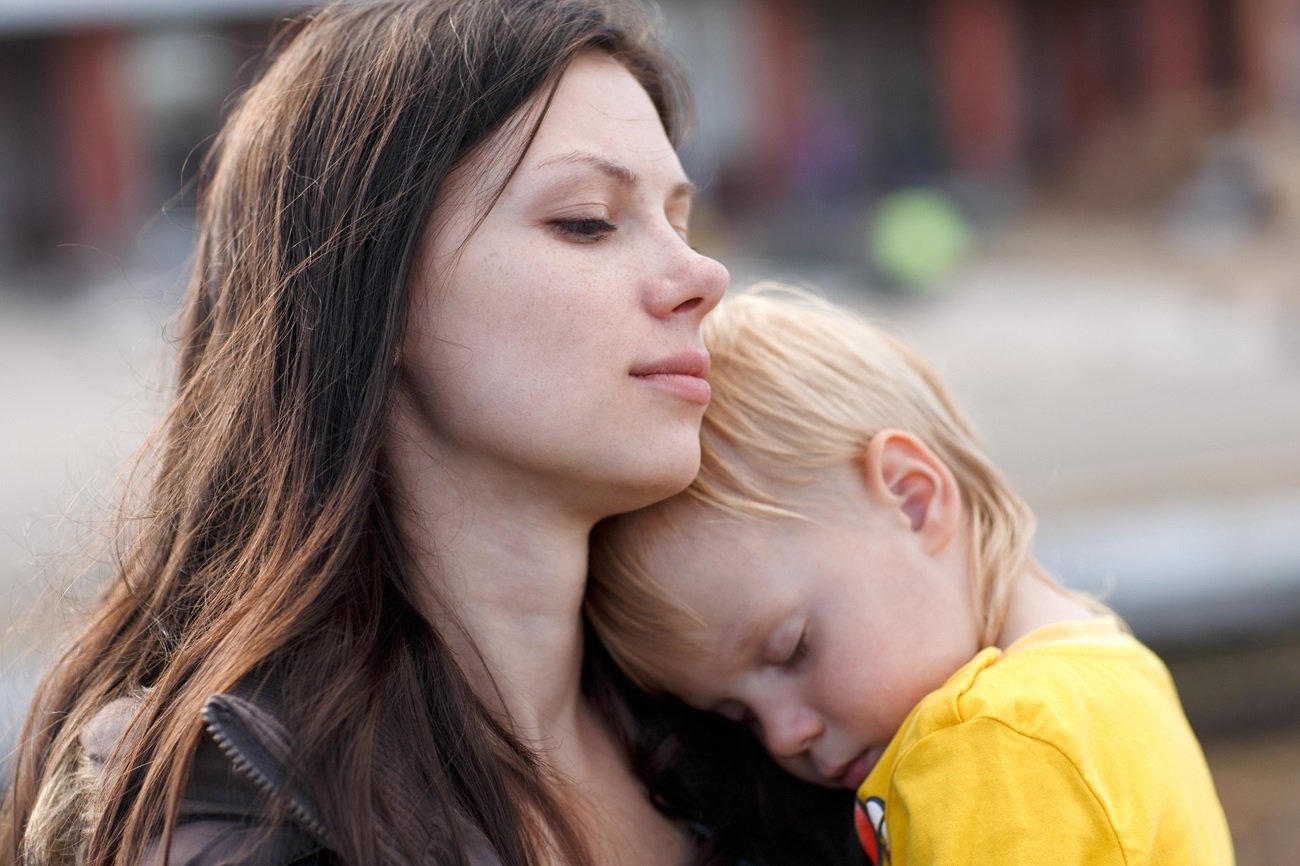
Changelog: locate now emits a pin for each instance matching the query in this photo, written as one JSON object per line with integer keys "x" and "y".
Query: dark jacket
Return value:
{"x": 242, "y": 764}
{"x": 243, "y": 761}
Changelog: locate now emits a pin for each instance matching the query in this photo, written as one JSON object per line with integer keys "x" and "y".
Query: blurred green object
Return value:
{"x": 916, "y": 237}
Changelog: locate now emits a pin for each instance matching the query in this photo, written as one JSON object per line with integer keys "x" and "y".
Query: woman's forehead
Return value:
{"x": 600, "y": 117}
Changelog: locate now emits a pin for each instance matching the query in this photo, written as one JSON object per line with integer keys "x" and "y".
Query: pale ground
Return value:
{"x": 1144, "y": 398}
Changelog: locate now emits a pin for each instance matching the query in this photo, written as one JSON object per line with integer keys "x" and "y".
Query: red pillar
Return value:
{"x": 1268, "y": 33}
{"x": 782, "y": 77}
{"x": 1176, "y": 46}
{"x": 98, "y": 147}
{"x": 979, "y": 73}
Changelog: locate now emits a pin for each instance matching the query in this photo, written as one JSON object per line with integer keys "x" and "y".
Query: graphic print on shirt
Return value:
{"x": 869, "y": 819}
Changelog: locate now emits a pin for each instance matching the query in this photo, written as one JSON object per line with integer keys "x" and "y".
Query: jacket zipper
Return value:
{"x": 300, "y": 812}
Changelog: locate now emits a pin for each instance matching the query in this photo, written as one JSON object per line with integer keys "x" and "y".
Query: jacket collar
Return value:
{"x": 260, "y": 750}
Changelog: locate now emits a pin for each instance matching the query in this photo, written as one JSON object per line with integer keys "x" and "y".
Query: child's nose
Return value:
{"x": 791, "y": 731}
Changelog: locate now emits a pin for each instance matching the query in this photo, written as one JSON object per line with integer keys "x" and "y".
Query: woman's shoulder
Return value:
{"x": 244, "y": 804}
{"x": 225, "y": 815}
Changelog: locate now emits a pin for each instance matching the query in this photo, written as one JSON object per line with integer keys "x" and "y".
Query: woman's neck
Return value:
{"x": 501, "y": 574}
{"x": 503, "y": 565}
{"x": 506, "y": 593}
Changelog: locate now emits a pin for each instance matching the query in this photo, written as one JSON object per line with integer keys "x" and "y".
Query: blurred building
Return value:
{"x": 104, "y": 106}
{"x": 828, "y": 104}
{"x": 809, "y": 109}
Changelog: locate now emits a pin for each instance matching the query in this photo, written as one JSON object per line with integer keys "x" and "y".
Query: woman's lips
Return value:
{"x": 690, "y": 388}
{"x": 681, "y": 374}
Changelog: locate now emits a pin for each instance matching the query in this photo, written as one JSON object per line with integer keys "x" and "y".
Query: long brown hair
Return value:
{"x": 269, "y": 546}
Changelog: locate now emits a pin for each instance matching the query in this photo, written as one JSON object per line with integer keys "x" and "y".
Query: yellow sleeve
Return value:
{"x": 981, "y": 792}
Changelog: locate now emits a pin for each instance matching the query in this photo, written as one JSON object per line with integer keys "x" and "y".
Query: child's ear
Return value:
{"x": 902, "y": 473}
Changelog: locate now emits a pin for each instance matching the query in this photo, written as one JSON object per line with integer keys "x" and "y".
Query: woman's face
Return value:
{"x": 555, "y": 347}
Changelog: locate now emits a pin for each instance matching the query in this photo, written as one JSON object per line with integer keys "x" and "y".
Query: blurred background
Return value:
{"x": 1085, "y": 211}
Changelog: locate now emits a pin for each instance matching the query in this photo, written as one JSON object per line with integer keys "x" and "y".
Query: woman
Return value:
{"x": 443, "y": 317}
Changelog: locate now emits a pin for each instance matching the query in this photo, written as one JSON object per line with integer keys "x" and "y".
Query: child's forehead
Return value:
{"x": 733, "y": 610}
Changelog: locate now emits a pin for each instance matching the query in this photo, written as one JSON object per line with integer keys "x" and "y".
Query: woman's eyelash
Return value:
{"x": 586, "y": 229}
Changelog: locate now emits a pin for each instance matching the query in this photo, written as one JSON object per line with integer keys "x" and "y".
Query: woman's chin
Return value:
{"x": 654, "y": 482}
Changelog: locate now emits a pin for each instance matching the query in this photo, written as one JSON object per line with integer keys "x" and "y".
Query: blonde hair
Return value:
{"x": 800, "y": 386}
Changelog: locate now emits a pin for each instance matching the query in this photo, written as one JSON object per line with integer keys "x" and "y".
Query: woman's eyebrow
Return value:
{"x": 623, "y": 175}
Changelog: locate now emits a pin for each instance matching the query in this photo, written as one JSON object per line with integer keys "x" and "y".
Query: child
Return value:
{"x": 851, "y": 578}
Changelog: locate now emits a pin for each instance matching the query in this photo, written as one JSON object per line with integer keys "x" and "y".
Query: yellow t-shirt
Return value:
{"x": 1070, "y": 747}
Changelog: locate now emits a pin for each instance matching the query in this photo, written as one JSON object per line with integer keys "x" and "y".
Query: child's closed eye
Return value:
{"x": 799, "y": 652}
{"x": 789, "y": 647}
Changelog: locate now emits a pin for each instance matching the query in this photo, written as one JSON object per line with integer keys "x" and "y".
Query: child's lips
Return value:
{"x": 855, "y": 772}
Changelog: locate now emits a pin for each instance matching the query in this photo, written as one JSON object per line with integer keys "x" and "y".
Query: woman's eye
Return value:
{"x": 585, "y": 230}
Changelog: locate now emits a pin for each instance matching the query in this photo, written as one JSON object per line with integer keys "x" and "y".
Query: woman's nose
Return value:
{"x": 690, "y": 284}
{"x": 790, "y": 731}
